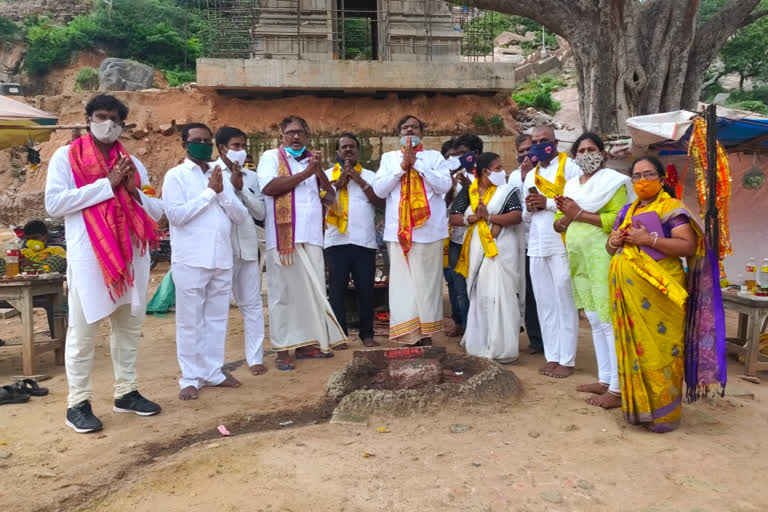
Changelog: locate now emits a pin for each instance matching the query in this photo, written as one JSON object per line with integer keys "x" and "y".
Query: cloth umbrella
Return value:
{"x": 20, "y": 123}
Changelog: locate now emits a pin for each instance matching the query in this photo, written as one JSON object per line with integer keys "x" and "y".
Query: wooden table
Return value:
{"x": 19, "y": 294}
{"x": 753, "y": 313}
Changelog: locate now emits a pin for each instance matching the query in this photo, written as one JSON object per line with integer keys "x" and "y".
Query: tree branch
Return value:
{"x": 556, "y": 15}
{"x": 754, "y": 17}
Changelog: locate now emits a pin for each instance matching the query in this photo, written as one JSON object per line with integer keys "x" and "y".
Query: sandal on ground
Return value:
{"x": 314, "y": 354}
{"x": 284, "y": 364}
{"x": 11, "y": 395}
{"x": 30, "y": 387}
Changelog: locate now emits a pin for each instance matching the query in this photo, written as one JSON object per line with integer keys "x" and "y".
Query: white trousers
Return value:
{"x": 246, "y": 287}
{"x": 202, "y": 311}
{"x": 81, "y": 340}
{"x": 559, "y": 320}
{"x": 605, "y": 351}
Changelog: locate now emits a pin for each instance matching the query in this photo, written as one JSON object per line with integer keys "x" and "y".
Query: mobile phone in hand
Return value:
{"x": 533, "y": 190}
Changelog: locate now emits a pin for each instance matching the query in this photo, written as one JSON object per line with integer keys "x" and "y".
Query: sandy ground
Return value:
{"x": 548, "y": 452}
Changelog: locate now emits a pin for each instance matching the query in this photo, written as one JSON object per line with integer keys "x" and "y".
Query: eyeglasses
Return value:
{"x": 649, "y": 175}
{"x": 295, "y": 133}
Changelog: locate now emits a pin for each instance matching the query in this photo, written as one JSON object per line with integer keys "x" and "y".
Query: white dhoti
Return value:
{"x": 299, "y": 311}
{"x": 415, "y": 291}
{"x": 559, "y": 320}
{"x": 496, "y": 288}
{"x": 246, "y": 288}
{"x": 202, "y": 312}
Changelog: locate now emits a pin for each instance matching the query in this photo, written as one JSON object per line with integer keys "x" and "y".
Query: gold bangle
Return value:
{"x": 611, "y": 245}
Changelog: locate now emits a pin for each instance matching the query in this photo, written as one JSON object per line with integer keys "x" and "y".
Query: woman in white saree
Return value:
{"x": 493, "y": 261}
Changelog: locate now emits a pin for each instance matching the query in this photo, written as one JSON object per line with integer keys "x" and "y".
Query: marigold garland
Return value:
{"x": 697, "y": 151}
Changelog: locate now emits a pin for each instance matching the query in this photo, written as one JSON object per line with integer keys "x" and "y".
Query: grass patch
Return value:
{"x": 177, "y": 78}
{"x": 538, "y": 94}
{"x": 87, "y": 79}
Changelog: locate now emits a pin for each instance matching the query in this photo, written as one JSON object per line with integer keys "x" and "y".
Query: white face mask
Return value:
{"x": 589, "y": 162}
{"x": 237, "y": 156}
{"x": 106, "y": 131}
{"x": 498, "y": 178}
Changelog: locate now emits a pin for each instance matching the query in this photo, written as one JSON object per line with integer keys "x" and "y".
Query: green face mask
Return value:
{"x": 200, "y": 150}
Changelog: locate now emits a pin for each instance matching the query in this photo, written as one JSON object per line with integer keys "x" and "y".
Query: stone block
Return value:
{"x": 124, "y": 75}
{"x": 167, "y": 128}
{"x": 505, "y": 38}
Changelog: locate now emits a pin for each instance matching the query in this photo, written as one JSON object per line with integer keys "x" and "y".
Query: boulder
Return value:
{"x": 505, "y": 38}
{"x": 124, "y": 75}
{"x": 167, "y": 128}
{"x": 531, "y": 36}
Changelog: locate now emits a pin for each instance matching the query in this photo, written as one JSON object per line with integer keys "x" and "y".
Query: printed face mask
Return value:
{"x": 467, "y": 161}
{"x": 589, "y": 162}
{"x": 415, "y": 141}
{"x": 542, "y": 152}
{"x": 106, "y": 131}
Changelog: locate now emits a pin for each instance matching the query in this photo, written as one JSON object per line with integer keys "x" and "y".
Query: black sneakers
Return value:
{"x": 80, "y": 418}
{"x": 137, "y": 404}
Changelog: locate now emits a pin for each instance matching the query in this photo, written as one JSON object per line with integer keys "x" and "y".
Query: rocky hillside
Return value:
{"x": 57, "y": 10}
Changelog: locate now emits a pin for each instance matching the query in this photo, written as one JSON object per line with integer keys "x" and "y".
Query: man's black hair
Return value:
{"x": 473, "y": 142}
{"x": 227, "y": 133}
{"x": 106, "y": 102}
{"x": 293, "y": 119}
{"x": 405, "y": 119}
{"x": 191, "y": 126}
{"x": 522, "y": 138}
{"x": 35, "y": 227}
{"x": 447, "y": 146}
{"x": 347, "y": 135}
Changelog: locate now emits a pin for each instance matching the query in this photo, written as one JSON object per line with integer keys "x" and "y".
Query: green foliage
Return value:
{"x": 757, "y": 94}
{"x": 8, "y": 29}
{"x": 538, "y": 94}
{"x": 746, "y": 52}
{"x": 162, "y": 33}
{"x": 752, "y": 106}
{"x": 480, "y": 31}
{"x": 177, "y": 78}
{"x": 87, "y": 79}
{"x": 479, "y": 121}
{"x": 708, "y": 8}
{"x": 358, "y": 40}
{"x": 496, "y": 123}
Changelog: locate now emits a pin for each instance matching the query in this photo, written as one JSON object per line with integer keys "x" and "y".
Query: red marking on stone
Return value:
{"x": 404, "y": 353}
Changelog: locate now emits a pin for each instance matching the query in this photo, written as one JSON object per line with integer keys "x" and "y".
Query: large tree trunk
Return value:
{"x": 634, "y": 57}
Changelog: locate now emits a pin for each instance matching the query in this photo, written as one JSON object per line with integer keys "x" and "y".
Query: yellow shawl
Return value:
{"x": 339, "y": 216}
{"x": 547, "y": 188}
{"x": 414, "y": 207}
{"x": 484, "y": 230}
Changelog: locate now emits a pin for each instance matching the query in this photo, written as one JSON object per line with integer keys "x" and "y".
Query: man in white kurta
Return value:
{"x": 200, "y": 218}
{"x": 300, "y": 315}
{"x": 89, "y": 300}
{"x": 550, "y": 272}
{"x": 246, "y": 270}
{"x": 415, "y": 279}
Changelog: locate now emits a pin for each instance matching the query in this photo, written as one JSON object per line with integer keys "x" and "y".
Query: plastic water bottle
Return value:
{"x": 750, "y": 277}
{"x": 740, "y": 283}
{"x": 762, "y": 274}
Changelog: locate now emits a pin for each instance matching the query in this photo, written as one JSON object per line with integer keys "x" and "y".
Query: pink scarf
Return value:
{"x": 116, "y": 224}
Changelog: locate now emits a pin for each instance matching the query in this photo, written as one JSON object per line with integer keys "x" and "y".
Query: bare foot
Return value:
{"x": 343, "y": 346}
{"x": 561, "y": 372}
{"x": 607, "y": 400}
{"x": 258, "y": 369}
{"x": 547, "y": 368}
{"x": 423, "y": 342}
{"x": 229, "y": 382}
{"x": 188, "y": 393}
{"x": 370, "y": 342}
{"x": 597, "y": 388}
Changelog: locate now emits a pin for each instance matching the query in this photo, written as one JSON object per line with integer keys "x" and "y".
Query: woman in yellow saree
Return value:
{"x": 667, "y": 325}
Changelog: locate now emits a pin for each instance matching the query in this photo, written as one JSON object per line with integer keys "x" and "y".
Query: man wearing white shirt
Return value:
{"x": 414, "y": 181}
{"x": 201, "y": 207}
{"x": 516, "y": 178}
{"x": 295, "y": 189}
{"x": 86, "y": 182}
{"x": 350, "y": 236}
{"x": 550, "y": 272}
{"x": 466, "y": 148}
{"x": 246, "y": 270}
